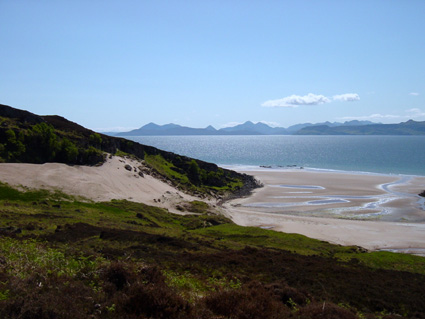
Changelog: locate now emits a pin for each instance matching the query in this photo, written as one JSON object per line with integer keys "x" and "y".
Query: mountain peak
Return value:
{"x": 150, "y": 126}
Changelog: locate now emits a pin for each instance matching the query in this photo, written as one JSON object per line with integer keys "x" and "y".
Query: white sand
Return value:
{"x": 342, "y": 208}
{"x": 377, "y": 217}
{"x": 103, "y": 183}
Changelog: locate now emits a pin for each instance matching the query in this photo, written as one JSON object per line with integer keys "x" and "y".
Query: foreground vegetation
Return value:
{"x": 64, "y": 258}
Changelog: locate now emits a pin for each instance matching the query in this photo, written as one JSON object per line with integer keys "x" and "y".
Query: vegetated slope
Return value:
{"x": 407, "y": 128}
{"x": 29, "y": 138}
{"x": 60, "y": 258}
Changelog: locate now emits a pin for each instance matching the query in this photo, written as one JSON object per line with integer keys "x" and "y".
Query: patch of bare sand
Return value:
{"x": 103, "y": 183}
{"x": 403, "y": 231}
{"x": 342, "y": 208}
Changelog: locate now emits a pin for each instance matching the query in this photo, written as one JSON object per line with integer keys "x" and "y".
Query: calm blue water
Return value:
{"x": 377, "y": 154}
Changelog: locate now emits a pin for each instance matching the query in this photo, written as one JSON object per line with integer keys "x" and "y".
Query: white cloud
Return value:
{"x": 414, "y": 93}
{"x": 414, "y": 113}
{"x": 409, "y": 114}
{"x": 296, "y": 100}
{"x": 348, "y": 97}
{"x": 310, "y": 99}
{"x": 371, "y": 117}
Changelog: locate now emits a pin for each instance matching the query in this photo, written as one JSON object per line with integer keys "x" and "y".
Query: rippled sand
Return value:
{"x": 373, "y": 211}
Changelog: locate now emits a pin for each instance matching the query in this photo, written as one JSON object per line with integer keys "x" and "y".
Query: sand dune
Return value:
{"x": 372, "y": 211}
{"x": 109, "y": 181}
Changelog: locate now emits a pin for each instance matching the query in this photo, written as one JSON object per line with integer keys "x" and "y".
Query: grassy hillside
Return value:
{"x": 29, "y": 138}
{"x": 63, "y": 258}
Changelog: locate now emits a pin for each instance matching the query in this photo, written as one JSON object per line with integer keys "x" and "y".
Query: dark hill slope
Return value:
{"x": 30, "y": 138}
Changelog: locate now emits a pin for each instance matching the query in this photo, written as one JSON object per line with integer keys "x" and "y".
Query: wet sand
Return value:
{"x": 372, "y": 211}
{"x": 369, "y": 210}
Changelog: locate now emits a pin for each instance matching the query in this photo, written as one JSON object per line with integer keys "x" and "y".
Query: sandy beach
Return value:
{"x": 369, "y": 210}
{"x": 103, "y": 183}
{"x": 372, "y": 211}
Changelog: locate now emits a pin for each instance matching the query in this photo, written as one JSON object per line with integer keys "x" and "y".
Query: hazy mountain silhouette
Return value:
{"x": 249, "y": 128}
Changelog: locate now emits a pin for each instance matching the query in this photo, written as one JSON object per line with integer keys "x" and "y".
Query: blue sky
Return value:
{"x": 117, "y": 65}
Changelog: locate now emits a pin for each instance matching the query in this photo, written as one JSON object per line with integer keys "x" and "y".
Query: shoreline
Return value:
{"x": 374, "y": 211}
{"x": 266, "y": 168}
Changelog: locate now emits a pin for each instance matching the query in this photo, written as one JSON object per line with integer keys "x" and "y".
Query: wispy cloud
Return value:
{"x": 114, "y": 129}
{"x": 296, "y": 100}
{"x": 414, "y": 93}
{"x": 348, "y": 97}
{"x": 415, "y": 113}
{"x": 409, "y": 114}
{"x": 376, "y": 116}
{"x": 310, "y": 99}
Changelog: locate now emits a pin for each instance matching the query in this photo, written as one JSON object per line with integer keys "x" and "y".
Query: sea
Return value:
{"x": 395, "y": 155}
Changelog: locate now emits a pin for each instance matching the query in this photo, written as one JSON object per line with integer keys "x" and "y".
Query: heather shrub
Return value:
{"x": 116, "y": 276}
{"x": 288, "y": 295}
{"x": 46, "y": 297}
{"x": 142, "y": 293}
{"x": 253, "y": 301}
{"x": 142, "y": 300}
{"x": 325, "y": 310}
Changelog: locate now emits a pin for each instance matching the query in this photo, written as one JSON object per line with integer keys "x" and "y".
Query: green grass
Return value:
{"x": 23, "y": 209}
{"x": 197, "y": 207}
{"x": 231, "y": 186}
{"x": 193, "y": 287}
{"x": 165, "y": 168}
{"x": 123, "y": 154}
{"x": 11, "y": 194}
{"x": 181, "y": 177}
{"x": 389, "y": 260}
{"x": 24, "y": 257}
{"x": 238, "y": 236}
{"x": 198, "y": 254}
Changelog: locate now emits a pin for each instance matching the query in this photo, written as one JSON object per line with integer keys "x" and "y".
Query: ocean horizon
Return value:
{"x": 400, "y": 155}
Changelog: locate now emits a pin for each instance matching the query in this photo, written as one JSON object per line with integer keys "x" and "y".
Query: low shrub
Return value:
{"x": 252, "y": 301}
{"x": 325, "y": 310}
{"x": 43, "y": 296}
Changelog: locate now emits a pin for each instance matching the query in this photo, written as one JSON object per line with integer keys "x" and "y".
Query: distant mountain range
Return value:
{"x": 249, "y": 128}
{"x": 406, "y": 128}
